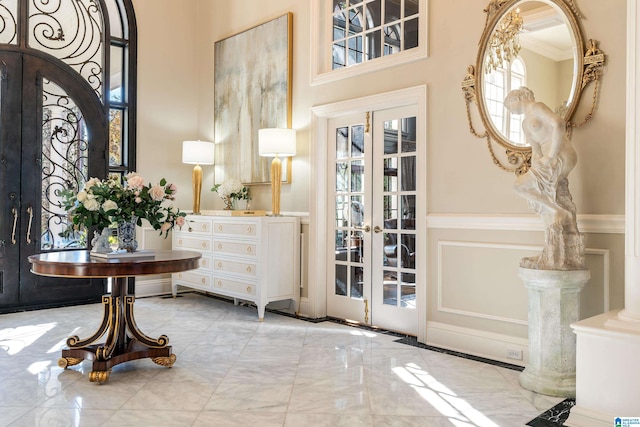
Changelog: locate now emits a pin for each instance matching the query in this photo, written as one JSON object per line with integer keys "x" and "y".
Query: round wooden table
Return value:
{"x": 117, "y": 318}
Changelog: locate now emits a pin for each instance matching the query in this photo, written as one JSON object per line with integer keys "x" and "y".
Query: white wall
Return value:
{"x": 466, "y": 191}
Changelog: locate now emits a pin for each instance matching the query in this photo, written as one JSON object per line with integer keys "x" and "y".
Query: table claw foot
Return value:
{"x": 99, "y": 376}
{"x": 65, "y": 362}
{"x": 165, "y": 361}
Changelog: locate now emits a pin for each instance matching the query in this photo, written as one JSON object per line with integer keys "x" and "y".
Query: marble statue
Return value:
{"x": 545, "y": 184}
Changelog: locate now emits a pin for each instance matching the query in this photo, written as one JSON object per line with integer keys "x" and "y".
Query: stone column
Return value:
{"x": 554, "y": 303}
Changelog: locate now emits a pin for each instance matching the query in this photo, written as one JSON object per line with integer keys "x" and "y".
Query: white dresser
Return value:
{"x": 249, "y": 258}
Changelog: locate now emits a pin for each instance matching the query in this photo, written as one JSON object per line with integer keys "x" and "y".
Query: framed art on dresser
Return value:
{"x": 252, "y": 84}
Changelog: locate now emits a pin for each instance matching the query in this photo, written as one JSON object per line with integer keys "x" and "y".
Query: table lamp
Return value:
{"x": 197, "y": 153}
{"x": 274, "y": 142}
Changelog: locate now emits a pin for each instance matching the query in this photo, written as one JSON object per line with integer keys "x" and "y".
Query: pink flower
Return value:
{"x": 173, "y": 189}
{"x": 165, "y": 227}
{"x": 135, "y": 181}
{"x": 138, "y": 200}
{"x": 157, "y": 193}
{"x": 180, "y": 221}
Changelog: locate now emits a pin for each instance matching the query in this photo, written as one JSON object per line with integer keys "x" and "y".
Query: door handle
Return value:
{"x": 366, "y": 228}
{"x": 14, "y": 211}
{"x": 377, "y": 229}
{"x": 30, "y": 212}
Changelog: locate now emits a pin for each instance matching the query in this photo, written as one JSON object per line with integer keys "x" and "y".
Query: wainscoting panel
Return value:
{"x": 477, "y": 279}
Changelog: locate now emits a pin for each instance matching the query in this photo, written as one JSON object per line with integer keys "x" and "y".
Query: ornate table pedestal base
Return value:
{"x": 119, "y": 346}
{"x": 554, "y": 303}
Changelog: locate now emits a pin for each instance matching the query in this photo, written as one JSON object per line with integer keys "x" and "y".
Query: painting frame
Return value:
{"x": 252, "y": 90}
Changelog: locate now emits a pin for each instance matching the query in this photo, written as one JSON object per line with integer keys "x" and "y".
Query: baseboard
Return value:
{"x": 152, "y": 287}
{"x": 477, "y": 343}
{"x": 303, "y": 309}
{"x": 582, "y": 417}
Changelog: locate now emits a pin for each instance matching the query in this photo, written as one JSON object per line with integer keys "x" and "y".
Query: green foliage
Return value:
{"x": 102, "y": 203}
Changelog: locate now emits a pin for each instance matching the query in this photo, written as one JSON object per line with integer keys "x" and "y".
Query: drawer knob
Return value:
{"x": 219, "y": 265}
{"x": 203, "y": 262}
{"x": 204, "y": 244}
{"x": 180, "y": 242}
{"x": 203, "y": 280}
{"x": 219, "y": 245}
{"x": 249, "y": 269}
{"x": 219, "y": 283}
{"x": 249, "y": 229}
{"x": 219, "y": 227}
{"x": 248, "y": 249}
{"x": 248, "y": 289}
{"x": 179, "y": 275}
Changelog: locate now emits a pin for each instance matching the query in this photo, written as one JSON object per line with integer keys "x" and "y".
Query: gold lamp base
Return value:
{"x": 276, "y": 179}
{"x": 196, "y": 179}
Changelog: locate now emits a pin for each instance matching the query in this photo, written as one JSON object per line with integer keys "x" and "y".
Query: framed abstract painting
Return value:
{"x": 252, "y": 84}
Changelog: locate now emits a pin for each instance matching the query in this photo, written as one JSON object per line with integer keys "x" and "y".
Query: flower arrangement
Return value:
{"x": 230, "y": 191}
{"x": 102, "y": 203}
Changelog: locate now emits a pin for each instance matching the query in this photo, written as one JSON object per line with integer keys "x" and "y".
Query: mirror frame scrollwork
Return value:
{"x": 589, "y": 68}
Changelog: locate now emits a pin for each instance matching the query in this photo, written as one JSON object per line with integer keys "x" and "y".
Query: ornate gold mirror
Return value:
{"x": 533, "y": 43}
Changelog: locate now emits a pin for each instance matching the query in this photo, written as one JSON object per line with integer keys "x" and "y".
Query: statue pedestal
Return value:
{"x": 554, "y": 303}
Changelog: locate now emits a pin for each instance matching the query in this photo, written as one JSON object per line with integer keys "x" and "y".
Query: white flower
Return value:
{"x": 109, "y": 205}
{"x": 90, "y": 183}
{"x": 82, "y": 196}
{"x": 229, "y": 187}
{"x": 91, "y": 204}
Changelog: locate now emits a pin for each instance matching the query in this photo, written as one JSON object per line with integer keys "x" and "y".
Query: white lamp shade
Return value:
{"x": 276, "y": 142}
{"x": 198, "y": 152}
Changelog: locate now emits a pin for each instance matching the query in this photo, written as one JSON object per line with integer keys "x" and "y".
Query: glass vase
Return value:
{"x": 127, "y": 234}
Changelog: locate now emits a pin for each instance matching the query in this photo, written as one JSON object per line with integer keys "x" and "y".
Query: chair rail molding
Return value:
{"x": 587, "y": 223}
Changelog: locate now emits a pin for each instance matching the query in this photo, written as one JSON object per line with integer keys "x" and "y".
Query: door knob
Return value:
{"x": 366, "y": 228}
{"x": 377, "y": 229}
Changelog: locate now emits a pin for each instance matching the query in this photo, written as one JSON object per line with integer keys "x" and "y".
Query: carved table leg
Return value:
{"x": 119, "y": 347}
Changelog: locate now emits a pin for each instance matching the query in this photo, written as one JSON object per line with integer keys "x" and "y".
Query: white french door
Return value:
{"x": 373, "y": 199}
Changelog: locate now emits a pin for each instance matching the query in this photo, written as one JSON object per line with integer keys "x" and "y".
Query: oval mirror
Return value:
{"x": 530, "y": 43}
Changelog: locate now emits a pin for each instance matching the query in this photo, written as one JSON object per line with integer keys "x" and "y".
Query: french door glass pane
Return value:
{"x": 65, "y": 165}
{"x": 399, "y": 205}
{"x": 349, "y": 211}
{"x": 357, "y": 141}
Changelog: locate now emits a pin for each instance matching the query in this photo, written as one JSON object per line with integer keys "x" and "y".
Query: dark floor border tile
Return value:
{"x": 554, "y": 417}
{"x": 414, "y": 342}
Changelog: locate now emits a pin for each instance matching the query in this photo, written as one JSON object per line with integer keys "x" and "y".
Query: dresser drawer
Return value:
{"x": 235, "y": 229}
{"x": 248, "y": 249}
{"x": 197, "y": 225}
{"x": 193, "y": 278}
{"x": 234, "y": 287}
{"x": 234, "y": 266}
{"x": 196, "y": 243}
{"x": 205, "y": 263}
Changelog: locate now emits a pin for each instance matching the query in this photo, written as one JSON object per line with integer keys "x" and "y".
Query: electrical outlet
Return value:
{"x": 514, "y": 354}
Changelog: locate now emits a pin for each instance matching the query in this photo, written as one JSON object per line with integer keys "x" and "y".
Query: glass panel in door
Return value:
{"x": 395, "y": 192}
{"x": 65, "y": 164}
{"x": 348, "y": 218}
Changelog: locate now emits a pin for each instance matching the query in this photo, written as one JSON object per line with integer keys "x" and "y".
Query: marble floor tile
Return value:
{"x": 233, "y": 370}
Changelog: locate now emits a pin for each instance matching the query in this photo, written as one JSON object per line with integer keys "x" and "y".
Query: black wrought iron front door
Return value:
{"x": 53, "y": 135}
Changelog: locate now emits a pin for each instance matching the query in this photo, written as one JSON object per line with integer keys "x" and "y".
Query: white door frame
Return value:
{"x": 320, "y": 116}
